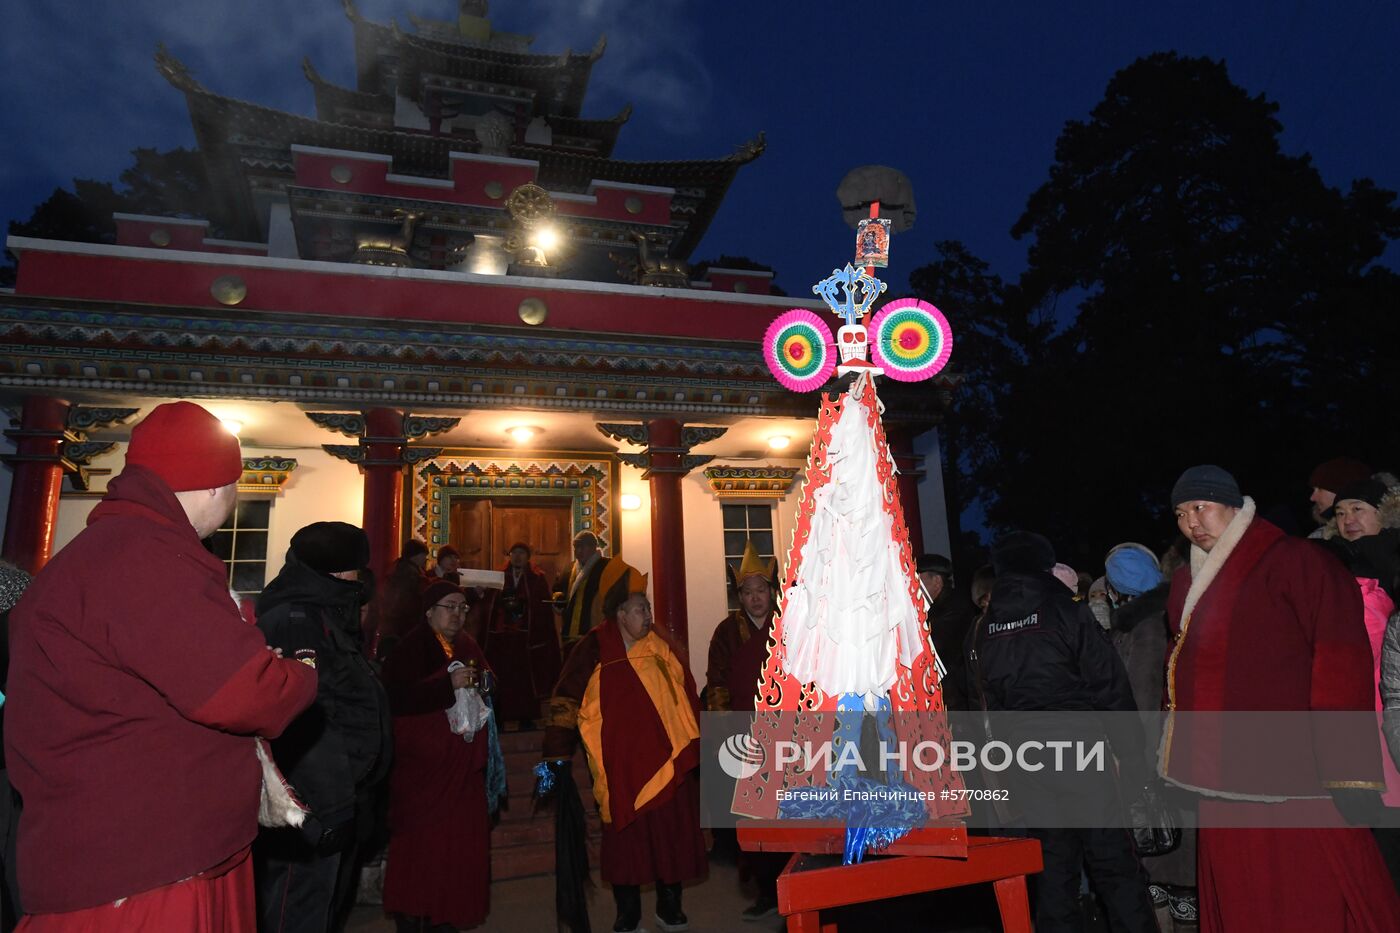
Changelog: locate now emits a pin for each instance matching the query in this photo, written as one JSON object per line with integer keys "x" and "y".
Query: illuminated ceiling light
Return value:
{"x": 630, "y": 503}
{"x": 231, "y": 426}
{"x": 546, "y": 238}
{"x": 779, "y": 442}
{"x": 522, "y": 434}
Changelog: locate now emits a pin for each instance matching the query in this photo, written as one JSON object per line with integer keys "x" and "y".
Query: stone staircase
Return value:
{"x": 522, "y": 843}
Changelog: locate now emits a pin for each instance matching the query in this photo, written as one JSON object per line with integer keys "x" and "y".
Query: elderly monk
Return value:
{"x": 627, "y": 691}
{"x": 439, "y": 861}
{"x": 135, "y": 693}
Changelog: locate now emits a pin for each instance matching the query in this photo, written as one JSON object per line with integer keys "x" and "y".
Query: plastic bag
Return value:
{"x": 468, "y": 714}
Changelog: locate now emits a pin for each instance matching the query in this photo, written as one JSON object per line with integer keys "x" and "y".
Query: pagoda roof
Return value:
{"x": 700, "y": 183}
{"x": 334, "y": 103}
{"x": 559, "y": 80}
{"x": 605, "y": 131}
{"x": 241, "y": 140}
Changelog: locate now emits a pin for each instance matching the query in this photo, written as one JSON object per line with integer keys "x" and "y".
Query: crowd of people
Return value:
{"x": 1231, "y": 614}
{"x": 181, "y": 761}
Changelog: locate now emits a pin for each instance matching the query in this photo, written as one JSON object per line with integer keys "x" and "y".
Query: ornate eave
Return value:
{"x": 751, "y": 482}
{"x": 452, "y": 225}
{"x": 336, "y": 104}
{"x": 98, "y": 347}
{"x": 559, "y": 82}
{"x": 700, "y": 184}
{"x": 265, "y": 475}
{"x": 605, "y": 132}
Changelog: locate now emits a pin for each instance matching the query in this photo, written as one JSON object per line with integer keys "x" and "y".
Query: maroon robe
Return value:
{"x": 439, "y": 859}
{"x": 1278, "y": 628}
{"x": 135, "y": 689}
{"x": 738, "y": 652}
{"x": 661, "y": 842}
{"x": 522, "y": 644}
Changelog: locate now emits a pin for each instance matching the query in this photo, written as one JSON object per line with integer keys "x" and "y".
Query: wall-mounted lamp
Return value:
{"x": 231, "y": 426}
{"x": 522, "y": 434}
{"x": 630, "y": 503}
{"x": 779, "y": 442}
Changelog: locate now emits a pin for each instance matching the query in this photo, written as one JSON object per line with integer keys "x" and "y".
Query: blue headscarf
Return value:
{"x": 1132, "y": 570}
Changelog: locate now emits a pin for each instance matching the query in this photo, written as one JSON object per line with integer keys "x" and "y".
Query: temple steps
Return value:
{"x": 522, "y": 842}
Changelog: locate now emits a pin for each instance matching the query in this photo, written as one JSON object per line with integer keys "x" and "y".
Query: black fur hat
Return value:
{"x": 1023, "y": 552}
{"x": 331, "y": 547}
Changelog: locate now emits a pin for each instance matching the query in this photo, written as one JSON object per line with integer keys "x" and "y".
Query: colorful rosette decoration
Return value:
{"x": 910, "y": 340}
{"x": 800, "y": 350}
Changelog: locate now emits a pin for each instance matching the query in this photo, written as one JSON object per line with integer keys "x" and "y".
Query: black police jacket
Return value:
{"x": 341, "y": 744}
{"x": 1036, "y": 650}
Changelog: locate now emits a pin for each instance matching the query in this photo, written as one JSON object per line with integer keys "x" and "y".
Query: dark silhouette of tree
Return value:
{"x": 989, "y": 342}
{"x": 168, "y": 184}
{"x": 1193, "y": 294}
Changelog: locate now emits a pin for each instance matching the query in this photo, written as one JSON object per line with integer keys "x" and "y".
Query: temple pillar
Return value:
{"x": 911, "y": 469}
{"x": 38, "y": 477}
{"x": 664, "y": 464}
{"x": 49, "y": 443}
{"x": 382, "y": 454}
{"x": 383, "y": 469}
{"x": 668, "y": 524}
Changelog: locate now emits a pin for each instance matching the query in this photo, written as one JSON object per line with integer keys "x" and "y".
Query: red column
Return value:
{"x": 910, "y": 465}
{"x": 38, "y": 475}
{"x": 668, "y": 525}
{"x": 383, "y": 467}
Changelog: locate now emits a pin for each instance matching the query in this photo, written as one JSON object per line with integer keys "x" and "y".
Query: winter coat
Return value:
{"x": 1390, "y": 687}
{"x": 135, "y": 691}
{"x": 1036, "y": 649}
{"x": 1139, "y": 632}
{"x": 341, "y": 744}
{"x": 949, "y": 621}
{"x": 1267, "y": 622}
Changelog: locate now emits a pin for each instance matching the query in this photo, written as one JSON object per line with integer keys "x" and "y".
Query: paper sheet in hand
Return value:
{"x": 486, "y": 579}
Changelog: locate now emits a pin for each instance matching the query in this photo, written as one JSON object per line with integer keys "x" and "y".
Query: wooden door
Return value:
{"x": 469, "y": 530}
{"x": 544, "y": 524}
{"x": 482, "y": 529}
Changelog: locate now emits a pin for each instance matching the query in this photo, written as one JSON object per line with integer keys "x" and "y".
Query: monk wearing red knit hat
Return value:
{"x": 136, "y": 691}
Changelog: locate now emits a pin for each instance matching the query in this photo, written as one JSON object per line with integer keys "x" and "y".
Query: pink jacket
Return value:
{"x": 1379, "y": 606}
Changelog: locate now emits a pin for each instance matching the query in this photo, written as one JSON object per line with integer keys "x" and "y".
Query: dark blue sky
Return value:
{"x": 966, "y": 98}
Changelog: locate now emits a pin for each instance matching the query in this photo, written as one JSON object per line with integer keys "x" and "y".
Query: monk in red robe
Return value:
{"x": 1263, "y": 621}
{"x": 135, "y": 692}
{"x": 738, "y": 651}
{"x": 438, "y": 868}
{"x": 627, "y": 692}
{"x": 522, "y": 643}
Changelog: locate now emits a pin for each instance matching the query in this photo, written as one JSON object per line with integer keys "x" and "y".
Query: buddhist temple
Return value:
{"x": 442, "y": 308}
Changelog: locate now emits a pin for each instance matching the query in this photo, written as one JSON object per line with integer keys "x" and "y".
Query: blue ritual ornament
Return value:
{"x": 849, "y": 292}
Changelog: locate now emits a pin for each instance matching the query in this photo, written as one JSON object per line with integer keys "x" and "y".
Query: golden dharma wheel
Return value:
{"x": 530, "y": 204}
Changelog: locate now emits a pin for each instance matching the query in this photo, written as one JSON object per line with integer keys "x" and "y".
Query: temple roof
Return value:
{"x": 242, "y": 141}
{"x": 335, "y": 103}
{"x": 559, "y": 81}
{"x": 386, "y": 55}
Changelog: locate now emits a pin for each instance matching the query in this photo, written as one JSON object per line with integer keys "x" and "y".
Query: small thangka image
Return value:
{"x": 873, "y": 242}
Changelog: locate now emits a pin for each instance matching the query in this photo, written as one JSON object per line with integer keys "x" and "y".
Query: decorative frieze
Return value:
{"x": 751, "y": 482}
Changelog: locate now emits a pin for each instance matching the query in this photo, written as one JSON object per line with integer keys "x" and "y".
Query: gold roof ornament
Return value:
{"x": 530, "y": 205}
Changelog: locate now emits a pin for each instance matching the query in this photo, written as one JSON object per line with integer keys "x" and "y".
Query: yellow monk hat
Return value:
{"x": 629, "y": 581}
{"x": 754, "y": 566}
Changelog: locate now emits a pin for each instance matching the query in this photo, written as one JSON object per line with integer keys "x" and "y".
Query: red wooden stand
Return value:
{"x": 930, "y": 859}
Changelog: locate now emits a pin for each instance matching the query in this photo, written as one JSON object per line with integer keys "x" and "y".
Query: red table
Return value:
{"x": 934, "y": 858}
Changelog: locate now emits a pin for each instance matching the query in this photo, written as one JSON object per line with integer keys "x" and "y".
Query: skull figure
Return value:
{"x": 851, "y": 341}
